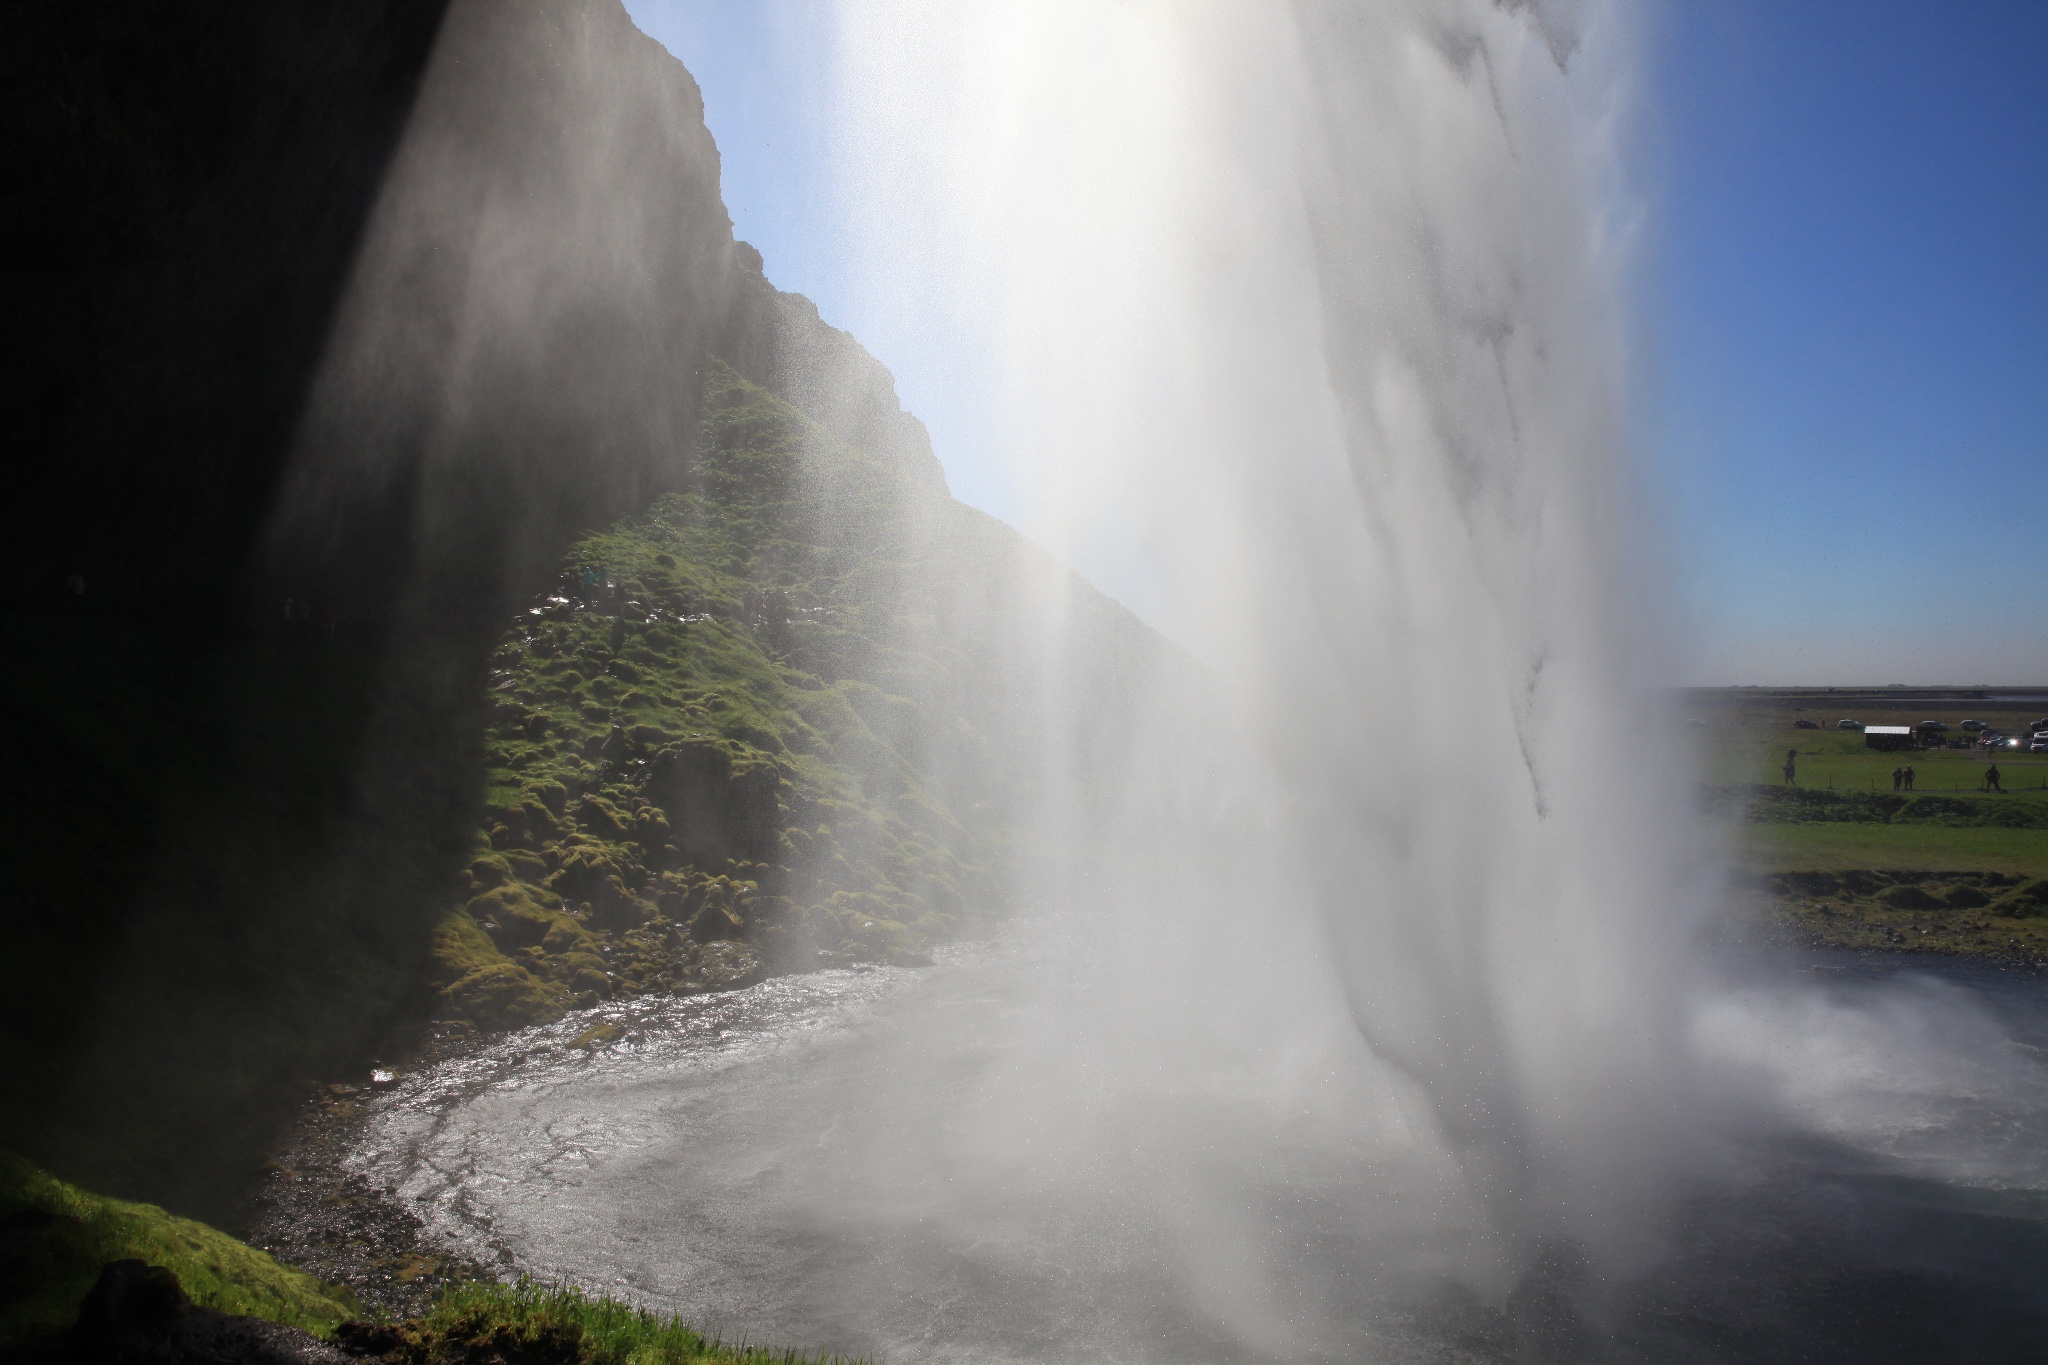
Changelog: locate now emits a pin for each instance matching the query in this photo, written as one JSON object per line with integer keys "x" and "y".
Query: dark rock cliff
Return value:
{"x": 339, "y": 322}
{"x": 778, "y": 341}
{"x": 187, "y": 184}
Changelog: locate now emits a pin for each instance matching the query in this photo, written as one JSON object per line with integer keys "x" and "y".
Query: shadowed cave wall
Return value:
{"x": 227, "y": 825}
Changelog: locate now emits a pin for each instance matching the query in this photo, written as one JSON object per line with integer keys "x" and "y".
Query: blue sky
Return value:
{"x": 1849, "y": 304}
{"x": 1844, "y": 338}
{"x": 764, "y": 67}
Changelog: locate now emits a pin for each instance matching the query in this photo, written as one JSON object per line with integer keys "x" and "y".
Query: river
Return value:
{"x": 806, "y": 1162}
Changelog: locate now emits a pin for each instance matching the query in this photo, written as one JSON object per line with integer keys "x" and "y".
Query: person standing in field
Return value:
{"x": 1991, "y": 780}
{"x": 1909, "y": 777}
{"x": 1791, "y": 765}
{"x": 1898, "y": 776}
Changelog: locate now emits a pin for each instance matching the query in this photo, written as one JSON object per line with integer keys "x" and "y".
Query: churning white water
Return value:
{"x": 1382, "y": 1031}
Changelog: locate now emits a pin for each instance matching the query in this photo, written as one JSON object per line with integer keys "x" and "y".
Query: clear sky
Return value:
{"x": 1845, "y": 320}
{"x": 1851, "y": 306}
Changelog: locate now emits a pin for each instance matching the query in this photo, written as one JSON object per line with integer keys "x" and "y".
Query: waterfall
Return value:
{"x": 1361, "y": 996}
{"x": 1321, "y": 310}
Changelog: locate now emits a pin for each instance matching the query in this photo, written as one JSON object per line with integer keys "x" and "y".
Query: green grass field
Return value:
{"x": 1880, "y": 873}
{"x": 1924, "y": 848}
{"x": 1839, "y": 759}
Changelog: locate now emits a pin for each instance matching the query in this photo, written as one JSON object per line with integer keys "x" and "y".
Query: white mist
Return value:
{"x": 1320, "y": 307}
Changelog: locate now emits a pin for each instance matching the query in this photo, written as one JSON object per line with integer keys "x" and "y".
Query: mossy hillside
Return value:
{"x": 711, "y": 749}
{"x": 58, "y": 1237}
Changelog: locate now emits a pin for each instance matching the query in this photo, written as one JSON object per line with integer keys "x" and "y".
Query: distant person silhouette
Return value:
{"x": 1991, "y": 780}
{"x": 1898, "y": 776}
{"x": 1791, "y": 766}
{"x": 1909, "y": 777}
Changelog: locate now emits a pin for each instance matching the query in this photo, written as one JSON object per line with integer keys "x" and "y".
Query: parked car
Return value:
{"x": 2039, "y": 746}
{"x": 1931, "y": 726}
{"x": 1975, "y": 725}
{"x": 1806, "y": 725}
{"x": 1846, "y": 724}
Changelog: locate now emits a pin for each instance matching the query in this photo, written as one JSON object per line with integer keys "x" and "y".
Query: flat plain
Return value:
{"x": 1841, "y": 856}
{"x": 1833, "y": 847}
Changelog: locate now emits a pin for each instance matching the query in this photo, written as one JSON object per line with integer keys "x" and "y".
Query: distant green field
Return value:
{"x": 1856, "y": 844}
{"x": 1931, "y": 848}
{"x": 1839, "y": 759}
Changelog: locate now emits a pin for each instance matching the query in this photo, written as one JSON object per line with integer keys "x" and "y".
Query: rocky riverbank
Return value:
{"x": 310, "y": 1211}
{"x": 1995, "y": 916}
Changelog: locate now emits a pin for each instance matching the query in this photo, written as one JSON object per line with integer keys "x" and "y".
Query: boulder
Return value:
{"x": 714, "y": 923}
{"x": 728, "y": 966}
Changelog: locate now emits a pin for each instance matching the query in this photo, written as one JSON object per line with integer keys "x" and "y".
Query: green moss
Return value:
{"x": 62, "y": 1236}
{"x": 737, "y": 735}
{"x": 597, "y": 1035}
{"x": 484, "y": 986}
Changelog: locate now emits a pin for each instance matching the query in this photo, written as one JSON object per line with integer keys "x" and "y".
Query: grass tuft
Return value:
{"x": 528, "y": 1320}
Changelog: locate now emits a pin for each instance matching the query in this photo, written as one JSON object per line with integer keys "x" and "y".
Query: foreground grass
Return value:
{"x": 60, "y": 1236}
{"x": 528, "y": 1321}
{"x": 1837, "y": 847}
